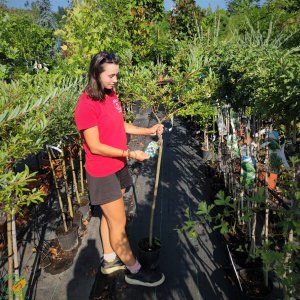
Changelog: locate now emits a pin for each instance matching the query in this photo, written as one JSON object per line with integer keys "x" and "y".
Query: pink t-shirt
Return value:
{"x": 108, "y": 116}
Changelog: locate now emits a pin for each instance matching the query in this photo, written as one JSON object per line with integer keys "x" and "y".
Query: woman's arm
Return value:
{"x": 154, "y": 130}
{"x": 91, "y": 136}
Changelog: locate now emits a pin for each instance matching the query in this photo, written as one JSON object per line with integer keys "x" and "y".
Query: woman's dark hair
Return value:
{"x": 94, "y": 89}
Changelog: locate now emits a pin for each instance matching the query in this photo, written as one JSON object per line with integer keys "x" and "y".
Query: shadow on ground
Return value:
{"x": 193, "y": 267}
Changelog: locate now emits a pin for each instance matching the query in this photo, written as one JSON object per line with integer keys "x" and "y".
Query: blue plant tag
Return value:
{"x": 152, "y": 148}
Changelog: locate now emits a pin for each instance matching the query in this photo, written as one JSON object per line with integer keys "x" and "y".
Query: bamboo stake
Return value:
{"x": 64, "y": 169}
{"x": 295, "y": 131}
{"x": 253, "y": 237}
{"x": 15, "y": 252}
{"x": 81, "y": 170}
{"x": 58, "y": 192}
{"x": 74, "y": 177}
{"x": 213, "y": 150}
{"x": 242, "y": 205}
{"x": 266, "y": 225}
{"x": 155, "y": 190}
{"x": 10, "y": 257}
{"x": 248, "y": 136}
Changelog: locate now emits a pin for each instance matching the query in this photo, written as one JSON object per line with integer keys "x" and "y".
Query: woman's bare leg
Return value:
{"x": 114, "y": 213}
{"x": 104, "y": 233}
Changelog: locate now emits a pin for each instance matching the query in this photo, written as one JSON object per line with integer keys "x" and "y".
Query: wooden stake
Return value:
{"x": 10, "y": 257}
{"x": 64, "y": 169}
{"x": 15, "y": 251}
{"x": 81, "y": 170}
{"x": 74, "y": 177}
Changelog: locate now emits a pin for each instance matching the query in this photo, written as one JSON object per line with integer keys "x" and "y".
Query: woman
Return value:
{"x": 99, "y": 118}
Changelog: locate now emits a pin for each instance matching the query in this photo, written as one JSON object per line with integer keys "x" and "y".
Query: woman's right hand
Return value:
{"x": 139, "y": 155}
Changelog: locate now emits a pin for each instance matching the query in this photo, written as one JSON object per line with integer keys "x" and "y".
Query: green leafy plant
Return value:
{"x": 275, "y": 162}
{"x": 21, "y": 132}
{"x": 23, "y": 43}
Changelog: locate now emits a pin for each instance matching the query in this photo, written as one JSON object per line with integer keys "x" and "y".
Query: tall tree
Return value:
{"x": 235, "y": 6}
{"x": 46, "y": 17}
{"x": 286, "y": 5}
{"x": 186, "y": 18}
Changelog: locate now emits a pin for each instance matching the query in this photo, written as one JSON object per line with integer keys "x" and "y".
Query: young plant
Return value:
{"x": 22, "y": 133}
{"x": 181, "y": 96}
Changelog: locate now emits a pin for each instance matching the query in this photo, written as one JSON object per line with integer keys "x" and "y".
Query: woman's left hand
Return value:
{"x": 156, "y": 129}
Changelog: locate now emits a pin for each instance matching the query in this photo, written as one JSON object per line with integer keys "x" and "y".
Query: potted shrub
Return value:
{"x": 22, "y": 133}
{"x": 67, "y": 235}
{"x": 284, "y": 261}
{"x": 275, "y": 165}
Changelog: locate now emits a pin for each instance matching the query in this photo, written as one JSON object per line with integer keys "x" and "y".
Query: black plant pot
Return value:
{"x": 68, "y": 240}
{"x": 84, "y": 207}
{"x": 3, "y": 224}
{"x": 149, "y": 256}
{"x": 77, "y": 219}
{"x": 252, "y": 281}
{"x": 206, "y": 155}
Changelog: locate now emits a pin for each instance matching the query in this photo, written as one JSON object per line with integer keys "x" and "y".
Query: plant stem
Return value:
{"x": 155, "y": 190}
{"x": 15, "y": 251}
{"x": 10, "y": 257}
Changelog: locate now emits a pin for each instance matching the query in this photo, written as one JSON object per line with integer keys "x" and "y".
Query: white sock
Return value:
{"x": 135, "y": 268}
{"x": 109, "y": 257}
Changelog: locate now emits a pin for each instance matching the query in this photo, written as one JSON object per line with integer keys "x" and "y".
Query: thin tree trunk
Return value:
{"x": 15, "y": 252}
{"x": 10, "y": 257}
{"x": 155, "y": 191}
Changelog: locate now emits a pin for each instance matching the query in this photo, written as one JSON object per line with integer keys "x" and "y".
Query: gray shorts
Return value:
{"x": 107, "y": 189}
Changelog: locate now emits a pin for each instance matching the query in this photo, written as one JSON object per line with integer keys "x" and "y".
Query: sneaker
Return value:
{"x": 108, "y": 267}
{"x": 145, "y": 277}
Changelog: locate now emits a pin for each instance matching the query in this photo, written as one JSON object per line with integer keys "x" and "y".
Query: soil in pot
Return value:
{"x": 149, "y": 256}
{"x": 67, "y": 240}
{"x": 252, "y": 280}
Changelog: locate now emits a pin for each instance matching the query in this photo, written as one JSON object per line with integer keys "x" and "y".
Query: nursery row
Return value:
{"x": 256, "y": 208}
{"x": 204, "y": 68}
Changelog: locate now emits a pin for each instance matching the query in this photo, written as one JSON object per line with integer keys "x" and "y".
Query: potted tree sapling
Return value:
{"x": 61, "y": 124}
{"x": 166, "y": 101}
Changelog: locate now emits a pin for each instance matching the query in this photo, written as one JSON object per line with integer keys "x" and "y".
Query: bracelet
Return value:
{"x": 123, "y": 153}
{"x": 128, "y": 153}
